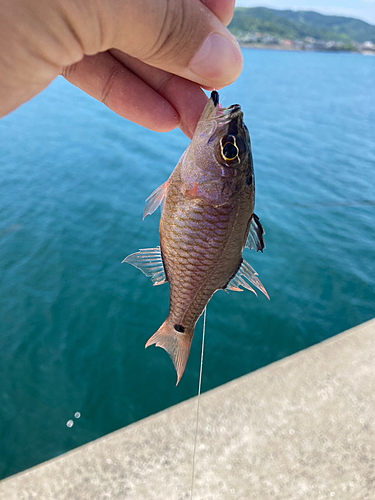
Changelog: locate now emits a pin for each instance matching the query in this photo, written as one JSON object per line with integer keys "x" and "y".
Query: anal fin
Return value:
{"x": 149, "y": 261}
{"x": 246, "y": 275}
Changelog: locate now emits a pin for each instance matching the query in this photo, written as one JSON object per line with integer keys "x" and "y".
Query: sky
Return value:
{"x": 360, "y": 9}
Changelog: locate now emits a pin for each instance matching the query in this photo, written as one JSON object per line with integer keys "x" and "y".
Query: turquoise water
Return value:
{"x": 74, "y": 178}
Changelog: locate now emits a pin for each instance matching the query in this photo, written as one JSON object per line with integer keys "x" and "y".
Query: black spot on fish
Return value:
{"x": 179, "y": 328}
{"x": 215, "y": 97}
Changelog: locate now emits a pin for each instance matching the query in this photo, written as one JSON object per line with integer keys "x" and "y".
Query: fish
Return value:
{"x": 207, "y": 219}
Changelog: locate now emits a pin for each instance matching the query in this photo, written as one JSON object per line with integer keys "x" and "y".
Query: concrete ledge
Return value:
{"x": 301, "y": 428}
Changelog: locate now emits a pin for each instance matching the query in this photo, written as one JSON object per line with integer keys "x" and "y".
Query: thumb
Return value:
{"x": 182, "y": 37}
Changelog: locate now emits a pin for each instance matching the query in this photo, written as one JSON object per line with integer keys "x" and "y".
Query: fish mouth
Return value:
{"x": 231, "y": 112}
{"x": 222, "y": 116}
{"x": 219, "y": 120}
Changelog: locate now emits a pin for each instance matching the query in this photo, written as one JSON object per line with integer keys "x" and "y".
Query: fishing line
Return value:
{"x": 198, "y": 401}
{"x": 323, "y": 204}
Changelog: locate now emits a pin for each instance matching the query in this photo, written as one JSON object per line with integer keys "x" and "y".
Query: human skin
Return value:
{"x": 144, "y": 59}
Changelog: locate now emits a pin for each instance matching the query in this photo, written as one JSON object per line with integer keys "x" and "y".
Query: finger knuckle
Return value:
{"x": 112, "y": 78}
{"x": 175, "y": 32}
{"x": 68, "y": 71}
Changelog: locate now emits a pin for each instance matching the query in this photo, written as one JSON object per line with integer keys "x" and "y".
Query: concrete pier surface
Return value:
{"x": 301, "y": 428}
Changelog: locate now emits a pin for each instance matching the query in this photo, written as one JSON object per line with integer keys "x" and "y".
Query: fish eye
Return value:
{"x": 229, "y": 151}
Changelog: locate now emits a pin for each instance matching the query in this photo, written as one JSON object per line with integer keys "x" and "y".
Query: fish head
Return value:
{"x": 221, "y": 144}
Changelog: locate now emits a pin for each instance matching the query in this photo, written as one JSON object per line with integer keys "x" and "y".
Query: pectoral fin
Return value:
{"x": 244, "y": 275}
{"x": 155, "y": 199}
{"x": 255, "y": 236}
{"x": 149, "y": 261}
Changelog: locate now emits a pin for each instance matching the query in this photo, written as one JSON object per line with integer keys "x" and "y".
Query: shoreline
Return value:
{"x": 263, "y": 46}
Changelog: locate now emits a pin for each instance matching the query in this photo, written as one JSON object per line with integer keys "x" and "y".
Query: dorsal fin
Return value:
{"x": 255, "y": 237}
{"x": 149, "y": 261}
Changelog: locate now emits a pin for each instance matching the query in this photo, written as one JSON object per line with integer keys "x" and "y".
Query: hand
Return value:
{"x": 144, "y": 59}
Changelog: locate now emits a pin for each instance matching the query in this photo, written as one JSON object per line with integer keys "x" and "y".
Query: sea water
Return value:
{"x": 74, "y": 177}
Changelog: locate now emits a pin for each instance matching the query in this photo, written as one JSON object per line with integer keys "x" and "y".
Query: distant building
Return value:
{"x": 250, "y": 38}
{"x": 269, "y": 40}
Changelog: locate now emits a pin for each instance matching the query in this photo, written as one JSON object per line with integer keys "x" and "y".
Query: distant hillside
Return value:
{"x": 355, "y": 29}
{"x": 300, "y": 24}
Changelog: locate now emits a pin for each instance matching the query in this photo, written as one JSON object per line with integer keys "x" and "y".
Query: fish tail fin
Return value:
{"x": 176, "y": 341}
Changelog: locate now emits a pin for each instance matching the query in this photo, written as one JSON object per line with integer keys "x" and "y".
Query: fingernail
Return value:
{"x": 219, "y": 60}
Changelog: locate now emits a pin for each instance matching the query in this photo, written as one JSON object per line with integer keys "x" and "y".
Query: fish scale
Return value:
{"x": 186, "y": 301}
{"x": 207, "y": 220}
